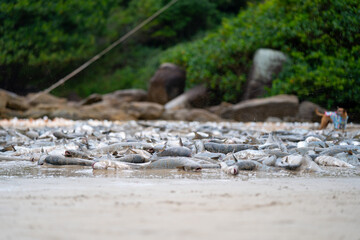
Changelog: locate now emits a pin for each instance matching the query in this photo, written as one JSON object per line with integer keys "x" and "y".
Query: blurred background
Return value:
{"x": 213, "y": 40}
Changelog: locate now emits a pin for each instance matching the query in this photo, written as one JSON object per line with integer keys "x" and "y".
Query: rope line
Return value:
{"x": 103, "y": 52}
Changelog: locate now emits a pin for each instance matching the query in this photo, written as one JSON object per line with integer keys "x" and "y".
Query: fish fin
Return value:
{"x": 180, "y": 142}
{"x": 128, "y": 150}
{"x": 196, "y": 148}
{"x": 197, "y": 136}
{"x": 236, "y": 160}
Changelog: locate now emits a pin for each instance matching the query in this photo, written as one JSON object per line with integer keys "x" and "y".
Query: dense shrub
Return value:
{"x": 42, "y": 41}
{"x": 322, "y": 39}
{"x": 39, "y": 39}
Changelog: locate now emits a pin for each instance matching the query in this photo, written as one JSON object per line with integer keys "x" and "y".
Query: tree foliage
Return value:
{"x": 38, "y": 39}
{"x": 41, "y": 41}
{"x": 321, "y": 37}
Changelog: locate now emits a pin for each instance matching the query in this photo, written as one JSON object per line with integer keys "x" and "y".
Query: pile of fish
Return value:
{"x": 190, "y": 146}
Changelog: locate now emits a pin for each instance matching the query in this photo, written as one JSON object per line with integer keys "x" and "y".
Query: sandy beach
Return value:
{"x": 126, "y": 208}
{"x": 76, "y": 202}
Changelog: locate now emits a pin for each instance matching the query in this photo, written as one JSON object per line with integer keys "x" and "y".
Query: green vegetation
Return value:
{"x": 322, "y": 39}
{"x": 41, "y": 41}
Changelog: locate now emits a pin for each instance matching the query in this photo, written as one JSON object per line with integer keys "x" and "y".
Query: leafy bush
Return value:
{"x": 130, "y": 70}
{"x": 42, "y": 41}
{"x": 321, "y": 38}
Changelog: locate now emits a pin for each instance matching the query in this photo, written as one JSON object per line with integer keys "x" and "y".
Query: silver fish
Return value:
{"x": 187, "y": 164}
{"x": 332, "y": 161}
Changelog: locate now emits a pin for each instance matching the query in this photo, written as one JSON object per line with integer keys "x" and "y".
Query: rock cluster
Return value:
{"x": 132, "y": 105}
{"x": 166, "y": 99}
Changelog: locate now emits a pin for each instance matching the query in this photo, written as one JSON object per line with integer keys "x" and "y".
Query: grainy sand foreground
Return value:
{"x": 122, "y": 208}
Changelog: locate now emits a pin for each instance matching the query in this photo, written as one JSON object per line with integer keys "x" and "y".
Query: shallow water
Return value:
{"x": 27, "y": 169}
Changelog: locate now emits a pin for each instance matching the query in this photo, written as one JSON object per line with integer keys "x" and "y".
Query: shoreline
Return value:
{"x": 112, "y": 208}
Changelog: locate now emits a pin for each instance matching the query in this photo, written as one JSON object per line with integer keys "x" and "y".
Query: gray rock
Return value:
{"x": 3, "y": 100}
{"x": 127, "y": 95}
{"x": 144, "y": 110}
{"x": 167, "y": 83}
{"x": 267, "y": 63}
{"x": 9, "y": 113}
{"x": 307, "y": 112}
{"x": 220, "y": 109}
{"x": 45, "y": 98}
{"x": 93, "y": 98}
{"x": 195, "y": 97}
{"x": 102, "y": 110}
{"x": 67, "y": 112}
{"x": 42, "y": 110}
{"x": 260, "y": 109}
{"x": 13, "y": 101}
{"x": 200, "y": 115}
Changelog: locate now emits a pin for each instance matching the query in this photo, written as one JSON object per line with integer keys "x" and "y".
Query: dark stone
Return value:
{"x": 307, "y": 112}
{"x": 167, "y": 83}
{"x": 260, "y": 109}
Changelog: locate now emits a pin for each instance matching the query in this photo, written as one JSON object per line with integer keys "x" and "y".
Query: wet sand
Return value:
{"x": 71, "y": 202}
{"x": 130, "y": 208}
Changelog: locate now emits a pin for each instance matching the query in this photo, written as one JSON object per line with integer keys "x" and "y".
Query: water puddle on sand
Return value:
{"x": 27, "y": 169}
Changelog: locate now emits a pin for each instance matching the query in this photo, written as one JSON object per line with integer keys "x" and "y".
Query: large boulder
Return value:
{"x": 220, "y": 109}
{"x": 127, "y": 95}
{"x": 267, "y": 63}
{"x": 307, "y": 113}
{"x": 143, "y": 110}
{"x": 13, "y": 101}
{"x": 116, "y": 99}
{"x": 9, "y": 113}
{"x": 68, "y": 112}
{"x": 102, "y": 111}
{"x": 3, "y": 100}
{"x": 280, "y": 106}
{"x": 167, "y": 83}
{"x": 196, "y": 97}
{"x": 93, "y": 98}
{"x": 200, "y": 115}
{"x": 42, "y": 110}
{"x": 45, "y": 98}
